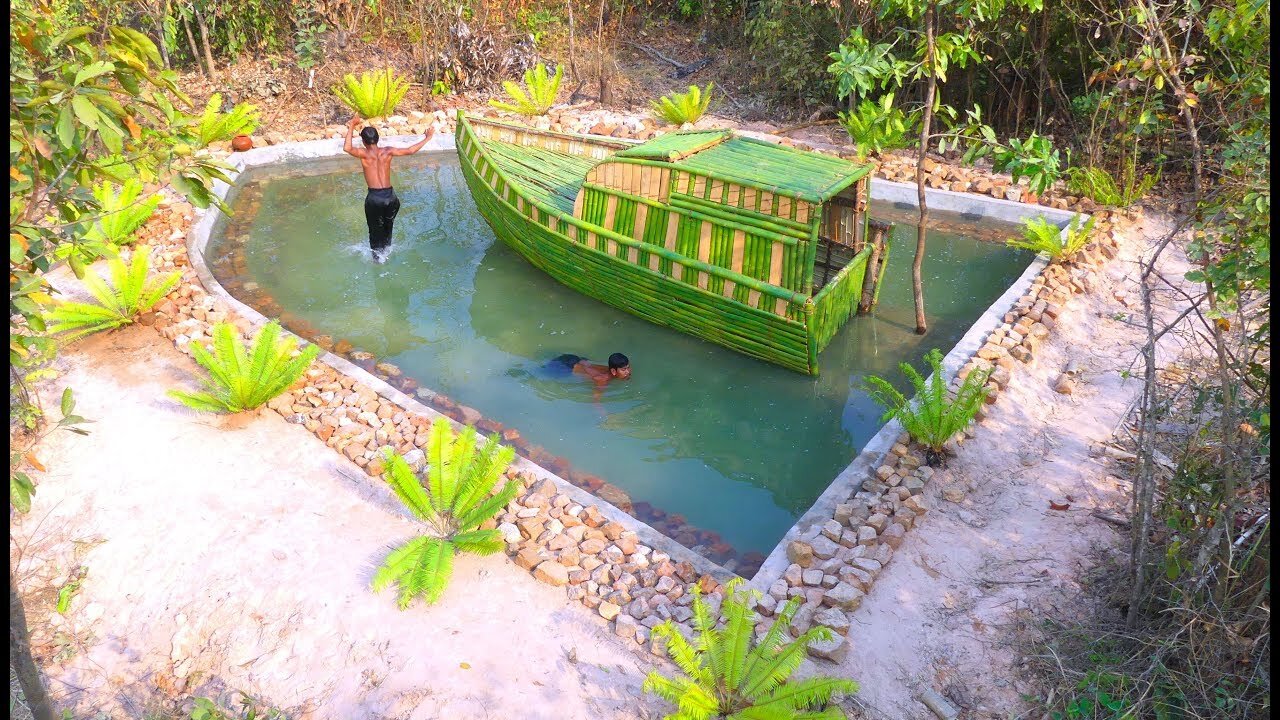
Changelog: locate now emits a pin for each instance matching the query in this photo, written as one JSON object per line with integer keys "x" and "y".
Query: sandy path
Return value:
{"x": 237, "y": 555}
{"x": 935, "y": 616}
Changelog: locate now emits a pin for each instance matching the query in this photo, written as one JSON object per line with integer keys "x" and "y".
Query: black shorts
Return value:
{"x": 563, "y": 364}
{"x": 380, "y": 208}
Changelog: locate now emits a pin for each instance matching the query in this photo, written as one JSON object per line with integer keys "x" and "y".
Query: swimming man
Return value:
{"x": 381, "y": 204}
{"x": 619, "y": 368}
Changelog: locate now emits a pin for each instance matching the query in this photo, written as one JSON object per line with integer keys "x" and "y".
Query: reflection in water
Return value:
{"x": 736, "y": 445}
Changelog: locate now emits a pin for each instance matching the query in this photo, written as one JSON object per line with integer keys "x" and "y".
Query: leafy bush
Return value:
{"x": 375, "y": 94}
{"x": 1041, "y": 236}
{"x": 933, "y": 417}
{"x": 726, "y": 677}
{"x": 1035, "y": 159}
{"x": 538, "y": 94}
{"x": 122, "y": 212}
{"x": 860, "y": 67}
{"x": 127, "y": 294}
{"x": 1100, "y": 186}
{"x": 243, "y": 381}
{"x": 455, "y": 502}
{"x": 308, "y": 36}
{"x": 206, "y": 709}
{"x": 877, "y": 126}
{"x": 680, "y": 108}
{"x": 216, "y": 126}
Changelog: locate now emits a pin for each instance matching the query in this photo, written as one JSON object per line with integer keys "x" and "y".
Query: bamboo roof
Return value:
{"x": 805, "y": 175}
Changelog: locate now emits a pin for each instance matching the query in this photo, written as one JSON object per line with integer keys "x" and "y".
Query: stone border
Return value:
{"x": 566, "y": 543}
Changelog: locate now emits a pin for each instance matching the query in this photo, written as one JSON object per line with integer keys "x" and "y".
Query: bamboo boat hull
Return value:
{"x": 564, "y": 247}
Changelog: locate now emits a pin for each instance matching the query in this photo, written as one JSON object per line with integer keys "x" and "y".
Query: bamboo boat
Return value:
{"x": 757, "y": 247}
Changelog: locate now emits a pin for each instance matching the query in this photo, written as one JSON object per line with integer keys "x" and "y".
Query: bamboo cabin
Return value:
{"x": 755, "y": 246}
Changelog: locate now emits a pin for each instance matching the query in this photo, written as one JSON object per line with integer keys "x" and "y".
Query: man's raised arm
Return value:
{"x": 416, "y": 146}
{"x": 346, "y": 144}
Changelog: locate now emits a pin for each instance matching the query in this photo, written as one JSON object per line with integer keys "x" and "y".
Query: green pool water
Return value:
{"x": 736, "y": 446}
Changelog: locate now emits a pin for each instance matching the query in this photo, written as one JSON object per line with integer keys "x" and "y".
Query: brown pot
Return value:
{"x": 240, "y": 143}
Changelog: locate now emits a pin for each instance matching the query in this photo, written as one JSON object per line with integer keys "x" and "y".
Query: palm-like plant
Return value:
{"x": 122, "y": 295}
{"x": 122, "y": 212}
{"x": 374, "y": 94}
{"x": 216, "y": 126}
{"x": 1041, "y": 236}
{"x": 933, "y": 417}
{"x": 680, "y": 108}
{"x": 1100, "y": 186}
{"x": 538, "y": 94}
{"x": 727, "y": 678}
{"x": 457, "y": 499}
{"x": 240, "y": 380}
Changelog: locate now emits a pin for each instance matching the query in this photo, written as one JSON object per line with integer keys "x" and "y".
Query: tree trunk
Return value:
{"x": 20, "y": 659}
{"x": 573, "y": 63}
{"x": 204, "y": 38}
{"x": 606, "y": 94}
{"x": 160, "y": 13}
{"x": 931, "y": 89}
{"x": 195, "y": 54}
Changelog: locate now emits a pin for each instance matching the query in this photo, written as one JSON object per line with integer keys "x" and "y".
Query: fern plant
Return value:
{"x": 240, "y": 380}
{"x": 216, "y": 126}
{"x": 933, "y": 417}
{"x": 124, "y": 293}
{"x": 457, "y": 498}
{"x": 1100, "y": 186}
{"x": 876, "y": 126}
{"x": 1041, "y": 236}
{"x": 538, "y": 94}
{"x": 122, "y": 212}
{"x": 727, "y": 678}
{"x": 374, "y": 94}
{"x": 680, "y": 108}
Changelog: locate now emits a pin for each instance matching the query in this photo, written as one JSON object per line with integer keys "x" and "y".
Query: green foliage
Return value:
{"x": 458, "y": 497}
{"x": 538, "y": 94}
{"x": 789, "y": 43}
{"x": 1035, "y": 159}
{"x": 216, "y": 126}
{"x": 686, "y": 107}
{"x": 21, "y": 486}
{"x": 308, "y": 36}
{"x": 877, "y": 126}
{"x": 1100, "y": 186}
{"x": 123, "y": 294}
{"x": 207, "y": 709}
{"x": 933, "y": 417}
{"x": 1041, "y": 236}
{"x": 725, "y": 677}
{"x": 373, "y": 94}
{"x": 860, "y": 67}
{"x": 122, "y": 212}
{"x": 536, "y": 23}
{"x": 87, "y": 105}
{"x": 240, "y": 380}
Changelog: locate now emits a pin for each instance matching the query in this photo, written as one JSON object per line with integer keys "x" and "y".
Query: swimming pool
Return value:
{"x": 720, "y": 451}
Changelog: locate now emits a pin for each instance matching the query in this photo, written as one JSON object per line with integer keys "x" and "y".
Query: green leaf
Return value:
{"x": 68, "y": 402}
{"x": 66, "y": 127}
{"x": 102, "y": 67}
{"x": 85, "y": 111}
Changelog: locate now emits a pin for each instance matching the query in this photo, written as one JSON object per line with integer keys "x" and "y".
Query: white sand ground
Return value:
{"x": 236, "y": 553}
{"x": 939, "y": 615}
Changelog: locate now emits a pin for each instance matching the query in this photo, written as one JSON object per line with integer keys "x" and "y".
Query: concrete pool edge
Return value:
{"x": 198, "y": 239}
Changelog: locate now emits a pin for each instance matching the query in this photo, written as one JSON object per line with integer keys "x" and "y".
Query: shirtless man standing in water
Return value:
{"x": 381, "y": 204}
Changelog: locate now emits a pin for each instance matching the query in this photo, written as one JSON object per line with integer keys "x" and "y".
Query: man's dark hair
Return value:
{"x": 617, "y": 361}
{"x": 369, "y": 135}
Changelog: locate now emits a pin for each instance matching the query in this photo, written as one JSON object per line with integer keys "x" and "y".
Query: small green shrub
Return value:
{"x": 1101, "y": 186}
{"x": 538, "y": 94}
{"x": 374, "y": 94}
{"x": 876, "y": 126}
{"x": 127, "y": 292}
{"x": 456, "y": 500}
{"x": 1041, "y": 236}
{"x": 933, "y": 417}
{"x": 216, "y": 126}
{"x": 122, "y": 212}
{"x": 725, "y": 677}
{"x": 243, "y": 381}
{"x": 1034, "y": 158}
{"x": 206, "y": 709}
{"x": 686, "y": 107}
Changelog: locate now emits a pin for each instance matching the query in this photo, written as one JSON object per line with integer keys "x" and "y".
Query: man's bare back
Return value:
{"x": 376, "y": 160}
